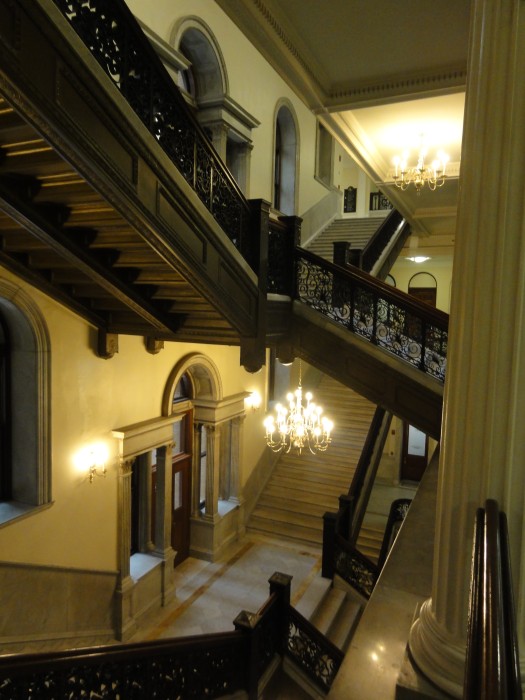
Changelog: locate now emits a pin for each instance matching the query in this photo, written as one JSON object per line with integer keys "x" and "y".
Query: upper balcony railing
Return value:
{"x": 375, "y": 311}
{"x": 113, "y": 36}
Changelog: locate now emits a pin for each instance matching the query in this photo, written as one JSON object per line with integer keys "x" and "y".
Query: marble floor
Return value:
{"x": 210, "y": 595}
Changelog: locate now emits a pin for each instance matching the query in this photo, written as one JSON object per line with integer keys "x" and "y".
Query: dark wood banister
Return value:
{"x": 492, "y": 661}
{"x": 149, "y": 59}
{"x": 412, "y": 305}
{"x": 208, "y": 665}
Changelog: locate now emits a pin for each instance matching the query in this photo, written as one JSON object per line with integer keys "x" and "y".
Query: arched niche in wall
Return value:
{"x": 27, "y": 464}
{"x": 423, "y": 286}
{"x": 285, "y": 158}
{"x": 205, "y": 84}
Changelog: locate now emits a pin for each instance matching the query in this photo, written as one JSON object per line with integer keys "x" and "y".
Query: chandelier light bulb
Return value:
{"x": 433, "y": 175}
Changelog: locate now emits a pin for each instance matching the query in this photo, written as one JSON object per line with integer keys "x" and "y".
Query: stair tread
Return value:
{"x": 325, "y": 615}
{"x": 344, "y": 625}
{"x": 313, "y": 596}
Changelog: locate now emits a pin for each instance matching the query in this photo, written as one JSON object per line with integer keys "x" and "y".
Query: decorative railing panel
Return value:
{"x": 312, "y": 651}
{"x": 189, "y": 668}
{"x": 415, "y": 332}
{"x": 113, "y": 36}
{"x": 204, "y": 666}
{"x": 354, "y": 567}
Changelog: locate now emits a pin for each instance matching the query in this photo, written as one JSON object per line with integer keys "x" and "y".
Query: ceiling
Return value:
{"x": 380, "y": 75}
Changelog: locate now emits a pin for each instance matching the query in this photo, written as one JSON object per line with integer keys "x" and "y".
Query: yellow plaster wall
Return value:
{"x": 90, "y": 398}
{"x": 253, "y": 84}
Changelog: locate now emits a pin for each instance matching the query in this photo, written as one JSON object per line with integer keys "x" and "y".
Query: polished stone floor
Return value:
{"x": 209, "y": 595}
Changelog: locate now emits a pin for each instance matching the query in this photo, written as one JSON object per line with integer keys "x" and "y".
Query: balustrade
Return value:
{"x": 115, "y": 39}
{"x": 381, "y": 314}
{"x": 203, "y": 666}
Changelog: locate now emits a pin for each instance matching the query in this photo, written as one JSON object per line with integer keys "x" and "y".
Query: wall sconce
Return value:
{"x": 253, "y": 401}
{"x": 96, "y": 467}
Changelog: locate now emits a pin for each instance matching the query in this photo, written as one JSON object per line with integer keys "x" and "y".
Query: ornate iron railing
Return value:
{"x": 111, "y": 33}
{"x": 398, "y": 512}
{"x": 356, "y": 569}
{"x": 312, "y": 651}
{"x": 382, "y": 315}
{"x": 188, "y": 668}
{"x": 203, "y": 666}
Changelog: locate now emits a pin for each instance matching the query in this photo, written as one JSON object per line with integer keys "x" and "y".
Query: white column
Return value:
{"x": 483, "y": 450}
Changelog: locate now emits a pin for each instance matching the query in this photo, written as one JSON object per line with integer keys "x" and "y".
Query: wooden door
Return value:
{"x": 181, "y": 468}
{"x": 181, "y": 507}
{"x": 415, "y": 453}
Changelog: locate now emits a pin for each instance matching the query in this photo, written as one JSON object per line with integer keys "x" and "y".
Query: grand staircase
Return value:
{"x": 303, "y": 487}
{"x": 355, "y": 231}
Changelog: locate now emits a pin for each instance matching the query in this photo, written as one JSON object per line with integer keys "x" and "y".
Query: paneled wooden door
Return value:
{"x": 181, "y": 468}
{"x": 181, "y": 506}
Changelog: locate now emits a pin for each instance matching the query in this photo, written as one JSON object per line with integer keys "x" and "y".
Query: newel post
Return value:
{"x": 292, "y": 241}
{"x": 247, "y": 622}
{"x": 253, "y": 348}
{"x": 328, "y": 563}
{"x": 281, "y": 585}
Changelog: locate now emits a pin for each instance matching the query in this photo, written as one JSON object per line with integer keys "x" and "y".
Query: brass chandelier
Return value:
{"x": 433, "y": 175}
{"x": 299, "y": 426}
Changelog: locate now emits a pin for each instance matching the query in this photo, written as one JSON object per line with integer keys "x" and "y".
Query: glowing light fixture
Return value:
{"x": 419, "y": 258}
{"x": 298, "y": 426}
{"x": 421, "y": 174}
{"x": 96, "y": 466}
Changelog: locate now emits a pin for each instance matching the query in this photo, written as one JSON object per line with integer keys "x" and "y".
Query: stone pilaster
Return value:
{"x": 163, "y": 500}
{"x": 213, "y": 452}
{"x": 125, "y": 624}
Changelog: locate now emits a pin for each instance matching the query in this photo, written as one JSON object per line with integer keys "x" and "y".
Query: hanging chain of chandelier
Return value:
{"x": 433, "y": 175}
{"x": 300, "y": 426}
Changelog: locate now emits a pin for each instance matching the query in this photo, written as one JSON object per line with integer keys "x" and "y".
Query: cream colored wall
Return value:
{"x": 253, "y": 84}
{"x": 403, "y": 270}
{"x": 90, "y": 398}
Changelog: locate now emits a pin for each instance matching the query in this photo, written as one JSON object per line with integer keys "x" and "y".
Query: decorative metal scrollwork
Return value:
{"x": 316, "y": 659}
{"x": 384, "y": 321}
{"x": 114, "y": 38}
{"x": 356, "y": 570}
{"x": 210, "y": 672}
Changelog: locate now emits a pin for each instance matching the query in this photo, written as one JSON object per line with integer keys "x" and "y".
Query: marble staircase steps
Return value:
{"x": 335, "y": 613}
{"x": 303, "y": 487}
{"x": 369, "y": 541}
{"x": 356, "y": 231}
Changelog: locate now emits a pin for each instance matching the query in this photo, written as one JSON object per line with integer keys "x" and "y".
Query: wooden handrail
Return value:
{"x": 492, "y": 666}
{"x": 116, "y": 40}
{"x": 409, "y": 303}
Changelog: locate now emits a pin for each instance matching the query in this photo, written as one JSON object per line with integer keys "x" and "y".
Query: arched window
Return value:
{"x": 285, "y": 161}
{"x": 25, "y": 404}
{"x": 205, "y": 81}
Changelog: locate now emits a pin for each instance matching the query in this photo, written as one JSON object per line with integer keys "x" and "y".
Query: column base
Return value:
{"x": 436, "y": 653}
